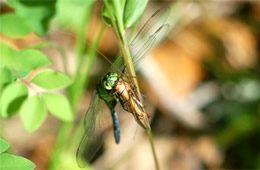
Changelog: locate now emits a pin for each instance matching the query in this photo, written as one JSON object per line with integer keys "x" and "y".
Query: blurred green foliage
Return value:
{"x": 36, "y": 14}
{"x": 12, "y": 162}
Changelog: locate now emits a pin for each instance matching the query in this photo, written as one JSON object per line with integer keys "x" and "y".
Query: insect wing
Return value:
{"x": 150, "y": 34}
{"x": 95, "y": 124}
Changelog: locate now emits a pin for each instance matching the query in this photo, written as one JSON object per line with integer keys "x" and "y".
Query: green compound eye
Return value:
{"x": 107, "y": 86}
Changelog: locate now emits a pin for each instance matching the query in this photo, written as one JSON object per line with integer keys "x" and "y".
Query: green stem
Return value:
{"x": 82, "y": 76}
{"x": 149, "y": 133}
{"x": 124, "y": 47}
{"x": 75, "y": 91}
{"x": 83, "y": 83}
{"x": 59, "y": 146}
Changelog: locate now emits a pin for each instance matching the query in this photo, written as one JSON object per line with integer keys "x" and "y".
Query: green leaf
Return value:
{"x": 50, "y": 79}
{"x": 75, "y": 11}
{"x": 30, "y": 59}
{"x": 11, "y": 99}
{"x": 125, "y": 13}
{"x": 59, "y": 106}
{"x": 33, "y": 113}
{"x": 6, "y": 76}
{"x": 13, "y": 25}
{"x": 133, "y": 11}
{"x": 36, "y": 14}
{"x": 25, "y": 60}
{"x": 106, "y": 15}
{"x": 116, "y": 7}
{"x": 3, "y": 145}
{"x": 7, "y": 53}
{"x": 12, "y": 162}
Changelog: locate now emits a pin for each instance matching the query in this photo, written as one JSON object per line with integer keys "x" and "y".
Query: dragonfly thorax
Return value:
{"x": 110, "y": 80}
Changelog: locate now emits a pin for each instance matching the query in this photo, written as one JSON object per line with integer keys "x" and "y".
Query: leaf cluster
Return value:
{"x": 27, "y": 87}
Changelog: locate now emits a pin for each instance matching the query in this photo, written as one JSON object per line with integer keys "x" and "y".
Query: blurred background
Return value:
{"x": 201, "y": 87}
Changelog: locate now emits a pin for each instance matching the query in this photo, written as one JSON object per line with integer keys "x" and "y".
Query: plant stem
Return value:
{"x": 59, "y": 146}
{"x": 149, "y": 133}
{"x": 124, "y": 48}
{"x": 82, "y": 84}
{"x": 75, "y": 91}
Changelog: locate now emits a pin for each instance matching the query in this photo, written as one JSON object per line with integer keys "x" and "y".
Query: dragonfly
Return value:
{"x": 116, "y": 87}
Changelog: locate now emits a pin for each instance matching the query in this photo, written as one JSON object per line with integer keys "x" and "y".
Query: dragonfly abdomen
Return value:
{"x": 116, "y": 125}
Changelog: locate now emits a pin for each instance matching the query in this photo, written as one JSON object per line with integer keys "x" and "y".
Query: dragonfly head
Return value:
{"x": 109, "y": 80}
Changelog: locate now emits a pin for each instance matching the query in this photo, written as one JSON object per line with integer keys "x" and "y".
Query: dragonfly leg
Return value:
{"x": 125, "y": 74}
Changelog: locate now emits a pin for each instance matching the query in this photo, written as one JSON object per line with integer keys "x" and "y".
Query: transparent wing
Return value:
{"x": 95, "y": 124}
{"x": 150, "y": 34}
{"x": 139, "y": 52}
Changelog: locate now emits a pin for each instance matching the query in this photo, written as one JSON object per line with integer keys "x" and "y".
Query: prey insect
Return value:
{"x": 117, "y": 87}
